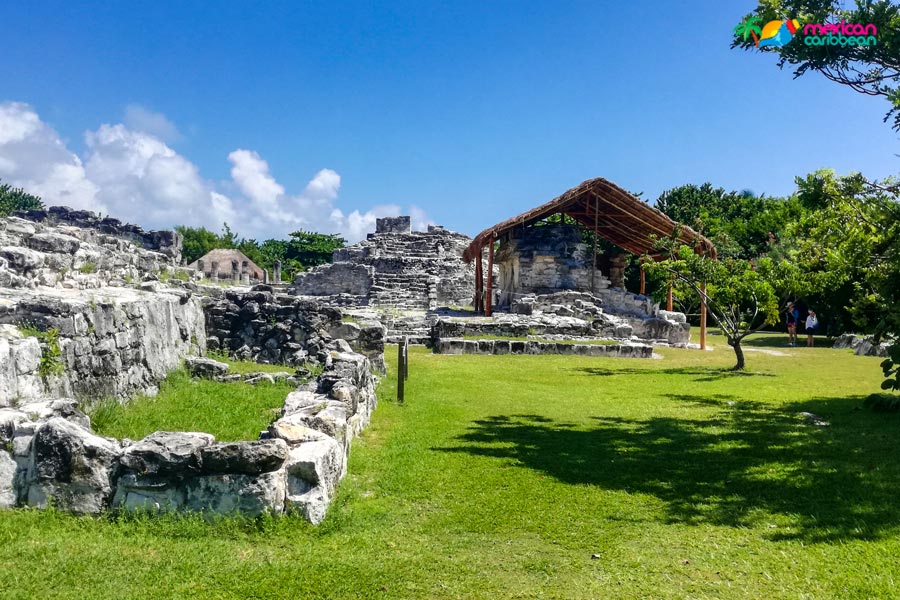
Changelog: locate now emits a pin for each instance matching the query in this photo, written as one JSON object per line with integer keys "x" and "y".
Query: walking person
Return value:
{"x": 812, "y": 323}
{"x": 792, "y": 316}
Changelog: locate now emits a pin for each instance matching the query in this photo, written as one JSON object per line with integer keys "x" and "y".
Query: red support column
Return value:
{"x": 489, "y": 298}
{"x": 479, "y": 283}
{"x": 669, "y": 297}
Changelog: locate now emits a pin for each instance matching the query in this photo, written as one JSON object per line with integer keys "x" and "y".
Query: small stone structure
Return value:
{"x": 394, "y": 267}
{"x": 545, "y": 259}
{"x": 461, "y": 346}
{"x": 224, "y": 264}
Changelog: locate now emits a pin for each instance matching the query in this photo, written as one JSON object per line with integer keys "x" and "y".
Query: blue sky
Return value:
{"x": 467, "y": 113}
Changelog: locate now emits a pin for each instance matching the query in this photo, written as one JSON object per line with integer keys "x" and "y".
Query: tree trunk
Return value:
{"x": 739, "y": 353}
{"x": 755, "y": 39}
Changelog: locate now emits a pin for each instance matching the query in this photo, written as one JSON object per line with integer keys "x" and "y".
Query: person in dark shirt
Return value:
{"x": 792, "y": 315}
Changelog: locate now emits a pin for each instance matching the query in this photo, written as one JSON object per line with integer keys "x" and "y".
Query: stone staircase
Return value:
{"x": 405, "y": 290}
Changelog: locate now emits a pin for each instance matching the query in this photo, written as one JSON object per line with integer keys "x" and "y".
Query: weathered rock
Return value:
{"x": 66, "y": 408}
{"x": 167, "y": 453}
{"x": 313, "y": 470}
{"x": 208, "y": 368}
{"x": 8, "y": 467}
{"x": 249, "y": 458}
{"x": 70, "y": 467}
{"x": 237, "y": 493}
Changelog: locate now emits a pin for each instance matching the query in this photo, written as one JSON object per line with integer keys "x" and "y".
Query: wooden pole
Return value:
{"x": 405, "y": 357}
{"x": 478, "y": 284}
{"x": 594, "y": 250}
{"x": 669, "y": 297}
{"x": 401, "y": 367}
{"x": 489, "y": 298}
{"x": 703, "y": 316}
{"x": 643, "y": 283}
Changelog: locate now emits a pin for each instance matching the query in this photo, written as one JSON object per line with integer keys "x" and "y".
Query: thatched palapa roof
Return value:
{"x": 614, "y": 214}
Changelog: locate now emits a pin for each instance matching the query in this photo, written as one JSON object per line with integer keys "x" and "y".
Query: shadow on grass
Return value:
{"x": 704, "y": 373}
{"x": 780, "y": 340}
{"x": 746, "y": 464}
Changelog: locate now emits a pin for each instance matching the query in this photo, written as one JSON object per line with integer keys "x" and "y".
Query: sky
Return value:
{"x": 278, "y": 116}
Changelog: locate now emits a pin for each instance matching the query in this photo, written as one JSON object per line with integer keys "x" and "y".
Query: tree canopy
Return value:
{"x": 12, "y": 199}
{"x": 873, "y": 70}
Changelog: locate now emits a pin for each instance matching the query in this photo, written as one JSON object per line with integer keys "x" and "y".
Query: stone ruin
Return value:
{"x": 395, "y": 267}
{"x": 117, "y": 330}
{"x": 412, "y": 282}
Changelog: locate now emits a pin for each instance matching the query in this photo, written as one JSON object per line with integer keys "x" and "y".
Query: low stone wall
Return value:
{"x": 111, "y": 342}
{"x": 266, "y": 327}
{"x": 863, "y": 345}
{"x": 49, "y": 455}
{"x": 334, "y": 279}
{"x": 460, "y": 346}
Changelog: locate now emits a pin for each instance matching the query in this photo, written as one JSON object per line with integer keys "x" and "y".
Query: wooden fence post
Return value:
{"x": 402, "y": 370}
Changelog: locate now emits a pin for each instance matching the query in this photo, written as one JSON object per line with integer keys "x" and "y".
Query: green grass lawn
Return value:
{"x": 546, "y": 477}
{"x": 230, "y": 411}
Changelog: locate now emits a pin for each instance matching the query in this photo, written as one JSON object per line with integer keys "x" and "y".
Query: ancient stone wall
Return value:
{"x": 395, "y": 267}
{"x": 545, "y": 259}
{"x": 263, "y": 326}
{"x": 49, "y": 455}
{"x": 114, "y": 342}
{"x": 164, "y": 242}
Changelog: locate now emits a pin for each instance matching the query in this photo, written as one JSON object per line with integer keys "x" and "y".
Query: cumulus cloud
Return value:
{"x": 128, "y": 171}
{"x": 140, "y": 118}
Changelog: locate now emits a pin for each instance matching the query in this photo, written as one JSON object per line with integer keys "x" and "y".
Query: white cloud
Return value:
{"x": 128, "y": 171}
{"x": 140, "y": 118}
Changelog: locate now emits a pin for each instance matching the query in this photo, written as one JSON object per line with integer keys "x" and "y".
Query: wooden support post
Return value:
{"x": 643, "y": 282}
{"x": 406, "y": 357}
{"x": 669, "y": 297}
{"x": 594, "y": 249}
{"x": 489, "y": 298}
{"x": 401, "y": 369}
{"x": 703, "y": 316}
{"x": 479, "y": 285}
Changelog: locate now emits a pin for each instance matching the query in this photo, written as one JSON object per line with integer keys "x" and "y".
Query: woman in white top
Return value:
{"x": 812, "y": 323}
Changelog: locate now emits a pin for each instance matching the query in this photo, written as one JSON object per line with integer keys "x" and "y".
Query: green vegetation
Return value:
{"x": 242, "y": 367}
{"x": 230, "y": 411}
{"x": 304, "y": 249}
{"x": 51, "y": 353}
{"x": 88, "y": 268}
{"x": 12, "y": 199}
{"x": 684, "y": 479}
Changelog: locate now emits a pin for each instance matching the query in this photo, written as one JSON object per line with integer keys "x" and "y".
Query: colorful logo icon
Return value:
{"x": 778, "y": 33}
{"x": 774, "y": 34}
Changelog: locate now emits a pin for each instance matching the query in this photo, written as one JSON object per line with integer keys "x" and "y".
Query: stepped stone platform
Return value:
{"x": 394, "y": 267}
{"x": 461, "y": 346}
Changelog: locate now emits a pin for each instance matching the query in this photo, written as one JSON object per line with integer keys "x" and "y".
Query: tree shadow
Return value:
{"x": 747, "y": 463}
{"x": 780, "y": 340}
{"x": 704, "y": 373}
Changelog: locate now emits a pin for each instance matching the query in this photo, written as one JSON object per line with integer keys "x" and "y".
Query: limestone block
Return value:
{"x": 205, "y": 367}
{"x": 167, "y": 453}
{"x": 8, "y": 492}
{"x": 313, "y": 471}
{"x": 250, "y": 495}
{"x": 70, "y": 467}
{"x": 249, "y": 458}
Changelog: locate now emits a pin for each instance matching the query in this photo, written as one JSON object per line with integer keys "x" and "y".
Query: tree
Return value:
{"x": 12, "y": 199}
{"x": 309, "y": 249}
{"x": 849, "y": 246}
{"x": 749, "y": 27}
{"x": 740, "y": 296}
{"x": 199, "y": 240}
{"x": 873, "y": 70}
